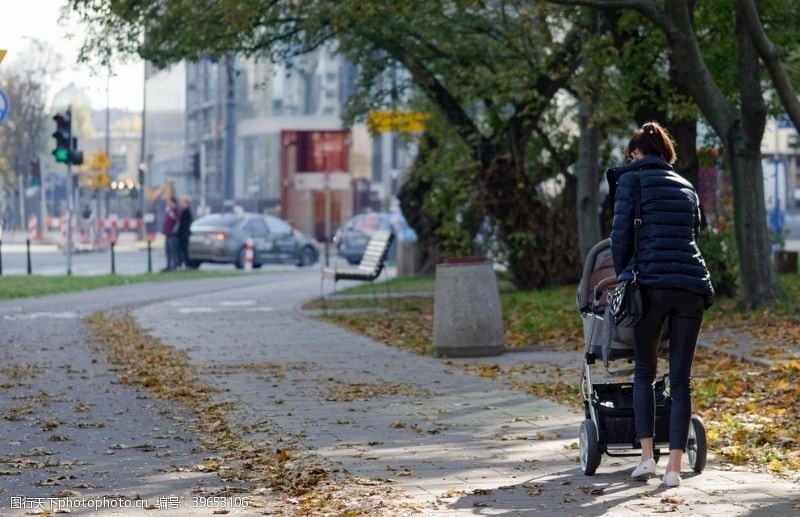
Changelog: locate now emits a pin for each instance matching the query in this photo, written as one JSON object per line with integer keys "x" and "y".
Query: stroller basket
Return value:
{"x": 613, "y": 403}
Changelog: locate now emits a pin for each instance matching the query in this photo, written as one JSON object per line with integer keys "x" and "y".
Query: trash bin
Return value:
{"x": 467, "y": 319}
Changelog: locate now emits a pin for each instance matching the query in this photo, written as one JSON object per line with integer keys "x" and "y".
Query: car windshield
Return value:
{"x": 368, "y": 223}
{"x": 217, "y": 221}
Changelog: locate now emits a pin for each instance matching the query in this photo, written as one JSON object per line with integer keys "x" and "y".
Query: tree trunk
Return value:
{"x": 759, "y": 283}
{"x": 743, "y": 147}
{"x": 687, "y": 165}
{"x": 587, "y": 184}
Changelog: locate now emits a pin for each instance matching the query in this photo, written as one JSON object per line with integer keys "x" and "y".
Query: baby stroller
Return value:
{"x": 609, "y": 426}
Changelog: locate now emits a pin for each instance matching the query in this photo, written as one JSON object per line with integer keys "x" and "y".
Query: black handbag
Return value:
{"x": 626, "y": 301}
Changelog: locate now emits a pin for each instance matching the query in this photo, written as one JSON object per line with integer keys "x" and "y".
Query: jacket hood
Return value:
{"x": 615, "y": 173}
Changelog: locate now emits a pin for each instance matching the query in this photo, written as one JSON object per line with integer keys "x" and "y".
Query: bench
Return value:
{"x": 373, "y": 262}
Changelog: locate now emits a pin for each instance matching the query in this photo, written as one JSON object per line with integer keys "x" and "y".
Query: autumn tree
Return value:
{"x": 490, "y": 69}
{"x": 739, "y": 122}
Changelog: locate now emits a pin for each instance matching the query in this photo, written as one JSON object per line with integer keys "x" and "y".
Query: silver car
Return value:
{"x": 221, "y": 238}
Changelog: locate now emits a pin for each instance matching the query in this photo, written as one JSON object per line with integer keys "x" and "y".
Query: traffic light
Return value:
{"x": 66, "y": 150}
{"x": 63, "y": 136}
{"x": 75, "y": 156}
{"x": 36, "y": 173}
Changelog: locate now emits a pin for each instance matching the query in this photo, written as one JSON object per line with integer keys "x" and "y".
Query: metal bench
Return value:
{"x": 373, "y": 262}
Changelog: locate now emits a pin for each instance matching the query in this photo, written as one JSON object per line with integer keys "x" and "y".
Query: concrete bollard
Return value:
{"x": 248, "y": 255}
{"x": 467, "y": 319}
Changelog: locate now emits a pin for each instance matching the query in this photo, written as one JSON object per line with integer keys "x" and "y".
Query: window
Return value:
{"x": 276, "y": 226}
{"x": 256, "y": 227}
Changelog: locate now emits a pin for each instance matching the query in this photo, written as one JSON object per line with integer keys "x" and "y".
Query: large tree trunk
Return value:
{"x": 587, "y": 183}
{"x": 743, "y": 147}
{"x": 759, "y": 283}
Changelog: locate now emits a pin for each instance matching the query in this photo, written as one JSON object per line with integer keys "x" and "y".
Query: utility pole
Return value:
{"x": 142, "y": 158}
{"x": 203, "y": 210}
{"x": 230, "y": 131}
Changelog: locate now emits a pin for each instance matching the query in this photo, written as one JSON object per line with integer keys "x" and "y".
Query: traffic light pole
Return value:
{"x": 70, "y": 211}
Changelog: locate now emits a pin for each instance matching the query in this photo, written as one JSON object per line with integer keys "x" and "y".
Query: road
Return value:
{"x": 49, "y": 260}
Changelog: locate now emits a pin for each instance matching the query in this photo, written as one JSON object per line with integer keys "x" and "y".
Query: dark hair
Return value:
{"x": 173, "y": 200}
{"x": 653, "y": 140}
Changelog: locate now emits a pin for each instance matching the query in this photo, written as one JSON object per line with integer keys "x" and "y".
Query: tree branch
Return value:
{"x": 772, "y": 60}
{"x": 648, "y": 8}
{"x": 692, "y": 70}
{"x": 430, "y": 84}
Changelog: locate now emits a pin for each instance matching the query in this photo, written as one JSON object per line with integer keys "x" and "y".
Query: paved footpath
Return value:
{"x": 457, "y": 444}
{"x": 68, "y": 428}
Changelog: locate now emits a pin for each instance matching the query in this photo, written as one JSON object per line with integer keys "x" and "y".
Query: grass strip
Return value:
{"x": 36, "y": 285}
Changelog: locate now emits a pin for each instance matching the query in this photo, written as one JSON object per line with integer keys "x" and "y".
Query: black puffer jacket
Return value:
{"x": 668, "y": 252}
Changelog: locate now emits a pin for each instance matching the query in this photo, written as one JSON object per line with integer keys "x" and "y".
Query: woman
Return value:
{"x": 673, "y": 279}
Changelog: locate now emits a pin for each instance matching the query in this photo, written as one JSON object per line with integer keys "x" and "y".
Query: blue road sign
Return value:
{"x": 784, "y": 122}
{"x": 4, "y": 106}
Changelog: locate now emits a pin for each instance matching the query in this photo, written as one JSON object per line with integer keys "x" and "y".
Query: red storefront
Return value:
{"x": 316, "y": 182}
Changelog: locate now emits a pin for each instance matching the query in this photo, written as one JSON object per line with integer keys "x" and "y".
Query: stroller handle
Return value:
{"x": 602, "y": 286}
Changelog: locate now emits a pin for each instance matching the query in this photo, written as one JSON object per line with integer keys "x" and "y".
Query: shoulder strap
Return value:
{"x": 637, "y": 222}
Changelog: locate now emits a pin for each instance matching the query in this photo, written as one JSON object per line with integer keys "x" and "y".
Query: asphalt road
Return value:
{"x": 48, "y": 260}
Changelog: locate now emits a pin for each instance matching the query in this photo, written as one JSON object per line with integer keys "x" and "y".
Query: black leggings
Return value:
{"x": 684, "y": 310}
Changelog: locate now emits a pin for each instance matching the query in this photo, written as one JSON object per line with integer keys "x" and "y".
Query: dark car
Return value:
{"x": 352, "y": 238}
{"x": 221, "y": 238}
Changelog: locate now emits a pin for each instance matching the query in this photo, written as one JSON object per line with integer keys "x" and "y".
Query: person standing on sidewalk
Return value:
{"x": 673, "y": 279}
{"x": 170, "y": 231}
{"x": 184, "y": 231}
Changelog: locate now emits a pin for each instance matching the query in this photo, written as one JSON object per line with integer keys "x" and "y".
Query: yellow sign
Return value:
{"x": 396, "y": 121}
{"x": 102, "y": 180}
{"x": 2, "y": 54}
{"x": 100, "y": 162}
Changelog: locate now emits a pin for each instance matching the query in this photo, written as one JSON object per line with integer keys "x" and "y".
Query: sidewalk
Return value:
{"x": 457, "y": 444}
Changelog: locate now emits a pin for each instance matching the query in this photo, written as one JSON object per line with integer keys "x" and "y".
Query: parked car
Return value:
{"x": 221, "y": 238}
{"x": 352, "y": 238}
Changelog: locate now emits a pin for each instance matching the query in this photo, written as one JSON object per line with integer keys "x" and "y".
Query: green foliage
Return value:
{"x": 719, "y": 252}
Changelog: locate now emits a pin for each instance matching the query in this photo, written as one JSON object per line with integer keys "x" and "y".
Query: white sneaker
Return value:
{"x": 645, "y": 470}
{"x": 671, "y": 478}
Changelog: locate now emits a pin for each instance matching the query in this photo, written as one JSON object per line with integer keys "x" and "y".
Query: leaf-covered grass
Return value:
{"x": 24, "y": 286}
{"x": 396, "y": 285}
{"x": 546, "y": 316}
{"x": 724, "y": 312}
{"x": 750, "y": 411}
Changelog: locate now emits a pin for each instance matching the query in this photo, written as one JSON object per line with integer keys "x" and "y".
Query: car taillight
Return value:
{"x": 221, "y": 236}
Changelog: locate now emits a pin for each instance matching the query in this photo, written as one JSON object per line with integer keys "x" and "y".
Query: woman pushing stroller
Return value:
{"x": 672, "y": 276}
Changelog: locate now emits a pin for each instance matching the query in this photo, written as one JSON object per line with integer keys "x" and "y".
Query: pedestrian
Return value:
{"x": 184, "y": 230}
{"x": 672, "y": 277}
{"x": 170, "y": 230}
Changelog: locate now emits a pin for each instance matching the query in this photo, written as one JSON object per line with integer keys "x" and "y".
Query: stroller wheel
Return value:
{"x": 696, "y": 445}
{"x": 589, "y": 448}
